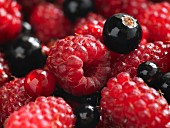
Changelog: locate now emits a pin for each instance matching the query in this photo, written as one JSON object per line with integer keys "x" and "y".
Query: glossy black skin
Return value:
{"x": 120, "y": 38}
{"x": 150, "y": 73}
{"x": 92, "y": 99}
{"x": 87, "y": 116}
{"x": 75, "y": 9}
{"x": 165, "y": 86}
{"x": 26, "y": 28}
{"x": 23, "y": 55}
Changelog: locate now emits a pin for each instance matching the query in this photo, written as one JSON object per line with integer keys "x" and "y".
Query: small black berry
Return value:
{"x": 75, "y": 9}
{"x": 87, "y": 116}
{"x": 150, "y": 73}
{"x": 26, "y": 28}
{"x": 165, "y": 86}
{"x": 122, "y": 33}
{"x": 23, "y": 55}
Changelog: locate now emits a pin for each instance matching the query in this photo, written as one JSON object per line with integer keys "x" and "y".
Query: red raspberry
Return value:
{"x": 108, "y": 7}
{"x": 157, "y": 19}
{"x": 81, "y": 64}
{"x": 90, "y": 25}
{"x": 10, "y": 20}
{"x": 130, "y": 103}
{"x": 12, "y": 97}
{"x": 156, "y": 52}
{"x": 45, "y": 112}
{"x": 49, "y": 22}
{"x": 28, "y": 5}
{"x": 4, "y": 70}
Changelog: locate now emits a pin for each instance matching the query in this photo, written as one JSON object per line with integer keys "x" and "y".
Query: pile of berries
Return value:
{"x": 84, "y": 64}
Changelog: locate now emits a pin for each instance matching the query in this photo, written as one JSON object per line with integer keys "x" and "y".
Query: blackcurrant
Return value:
{"x": 122, "y": 33}
{"x": 150, "y": 73}
{"x": 24, "y": 54}
{"x": 26, "y": 28}
{"x": 87, "y": 116}
{"x": 165, "y": 86}
{"x": 75, "y": 9}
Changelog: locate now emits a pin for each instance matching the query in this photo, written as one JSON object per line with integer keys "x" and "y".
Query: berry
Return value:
{"x": 12, "y": 97}
{"x": 26, "y": 28}
{"x": 108, "y": 7}
{"x": 165, "y": 86}
{"x": 23, "y": 55}
{"x": 90, "y": 25}
{"x": 49, "y": 22}
{"x": 4, "y": 70}
{"x": 39, "y": 82}
{"x": 155, "y": 17}
{"x": 80, "y": 63}
{"x": 75, "y": 9}
{"x": 122, "y": 33}
{"x": 156, "y": 52}
{"x": 127, "y": 102}
{"x": 150, "y": 73}
{"x": 10, "y": 20}
{"x": 86, "y": 116}
{"x": 45, "y": 112}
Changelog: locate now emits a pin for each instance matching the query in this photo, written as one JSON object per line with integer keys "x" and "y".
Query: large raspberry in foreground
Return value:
{"x": 45, "y": 112}
{"x": 12, "y": 97}
{"x": 81, "y": 64}
{"x": 130, "y": 103}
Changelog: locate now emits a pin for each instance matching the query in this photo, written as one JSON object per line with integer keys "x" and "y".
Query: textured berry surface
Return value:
{"x": 156, "y": 52}
{"x": 90, "y": 25}
{"x": 156, "y": 17}
{"x": 45, "y": 112}
{"x": 12, "y": 97}
{"x": 43, "y": 20}
{"x": 10, "y": 20}
{"x": 81, "y": 64}
{"x": 128, "y": 102}
{"x": 4, "y": 70}
{"x": 39, "y": 82}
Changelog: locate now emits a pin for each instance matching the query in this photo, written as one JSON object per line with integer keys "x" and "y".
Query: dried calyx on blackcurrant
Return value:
{"x": 122, "y": 33}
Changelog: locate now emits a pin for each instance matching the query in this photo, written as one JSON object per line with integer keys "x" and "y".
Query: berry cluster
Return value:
{"x": 84, "y": 64}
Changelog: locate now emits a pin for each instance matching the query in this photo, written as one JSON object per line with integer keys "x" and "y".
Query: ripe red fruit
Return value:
{"x": 156, "y": 52}
{"x": 10, "y": 20}
{"x": 49, "y": 22}
{"x": 80, "y": 63}
{"x": 91, "y": 25}
{"x": 12, "y": 97}
{"x": 40, "y": 82}
{"x": 128, "y": 102}
{"x": 45, "y": 112}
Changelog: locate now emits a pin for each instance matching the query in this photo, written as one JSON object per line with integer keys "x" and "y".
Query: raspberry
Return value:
{"x": 12, "y": 97}
{"x": 49, "y": 22}
{"x": 127, "y": 102}
{"x": 45, "y": 112}
{"x": 155, "y": 18}
{"x": 90, "y": 25}
{"x": 80, "y": 63}
{"x": 10, "y": 20}
{"x": 4, "y": 70}
{"x": 156, "y": 52}
{"x": 108, "y": 7}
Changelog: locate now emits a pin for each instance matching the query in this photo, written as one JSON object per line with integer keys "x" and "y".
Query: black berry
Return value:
{"x": 26, "y": 28}
{"x": 122, "y": 33}
{"x": 165, "y": 86}
{"x": 150, "y": 73}
{"x": 87, "y": 116}
{"x": 24, "y": 54}
{"x": 75, "y": 9}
